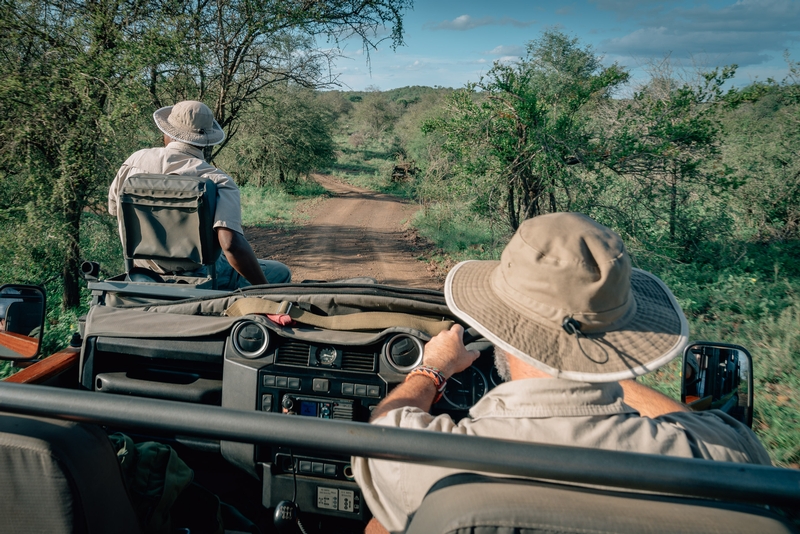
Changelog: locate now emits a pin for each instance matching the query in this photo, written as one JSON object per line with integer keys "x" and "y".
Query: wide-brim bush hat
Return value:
{"x": 565, "y": 299}
{"x": 190, "y": 122}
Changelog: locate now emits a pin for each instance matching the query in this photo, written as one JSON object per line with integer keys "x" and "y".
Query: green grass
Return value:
{"x": 370, "y": 166}
{"x": 6, "y": 369}
{"x": 460, "y": 233}
{"x": 275, "y": 206}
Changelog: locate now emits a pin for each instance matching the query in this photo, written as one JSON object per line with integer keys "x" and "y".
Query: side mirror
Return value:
{"x": 718, "y": 376}
{"x": 22, "y": 310}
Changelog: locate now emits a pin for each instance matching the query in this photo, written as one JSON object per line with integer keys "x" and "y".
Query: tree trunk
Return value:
{"x": 72, "y": 258}
{"x": 673, "y": 205}
{"x": 513, "y": 219}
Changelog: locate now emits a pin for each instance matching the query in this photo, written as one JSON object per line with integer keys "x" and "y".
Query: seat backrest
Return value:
{"x": 23, "y": 317}
{"x": 469, "y": 503}
{"x": 60, "y": 477}
{"x": 169, "y": 219}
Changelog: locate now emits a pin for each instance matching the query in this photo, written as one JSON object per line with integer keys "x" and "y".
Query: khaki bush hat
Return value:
{"x": 190, "y": 122}
{"x": 565, "y": 299}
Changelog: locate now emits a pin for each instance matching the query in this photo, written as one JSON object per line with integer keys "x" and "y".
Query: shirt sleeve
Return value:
{"x": 228, "y": 213}
{"x": 715, "y": 435}
{"x": 394, "y": 490}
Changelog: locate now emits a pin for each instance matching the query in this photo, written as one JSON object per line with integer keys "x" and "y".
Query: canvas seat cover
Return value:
{"x": 169, "y": 219}
{"x": 60, "y": 477}
{"x": 474, "y": 504}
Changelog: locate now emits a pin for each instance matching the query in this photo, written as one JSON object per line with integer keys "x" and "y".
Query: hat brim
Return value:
{"x": 214, "y": 137}
{"x": 655, "y": 335}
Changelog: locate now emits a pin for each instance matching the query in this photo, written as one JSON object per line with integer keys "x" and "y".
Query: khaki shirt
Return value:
{"x": 187, "y": 160}
{"x": 552, "y": 411}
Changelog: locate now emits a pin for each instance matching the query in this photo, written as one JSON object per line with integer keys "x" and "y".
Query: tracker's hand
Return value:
{"x": 446, "y": 352}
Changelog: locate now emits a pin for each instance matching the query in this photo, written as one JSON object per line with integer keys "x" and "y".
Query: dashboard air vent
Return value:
{"x": 293, "y": 353}
{"x": 358, "y": 361}
{"x": 343, "y": 411}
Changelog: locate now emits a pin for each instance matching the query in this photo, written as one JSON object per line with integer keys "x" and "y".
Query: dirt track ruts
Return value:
{"x": 354, "y": 233}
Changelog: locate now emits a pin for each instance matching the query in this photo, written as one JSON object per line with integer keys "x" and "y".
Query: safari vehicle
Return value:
{"x": 265, "y": 393}
{"x": 269, "y": 414}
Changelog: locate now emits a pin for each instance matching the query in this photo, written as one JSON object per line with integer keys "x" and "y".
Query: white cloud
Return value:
{"x": 465, "y": 22}
{"x": 746, "y": 32}
{"x": 506, "y": 50}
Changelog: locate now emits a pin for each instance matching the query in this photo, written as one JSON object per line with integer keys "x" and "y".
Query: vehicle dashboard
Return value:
{"x": 299, "y": 372}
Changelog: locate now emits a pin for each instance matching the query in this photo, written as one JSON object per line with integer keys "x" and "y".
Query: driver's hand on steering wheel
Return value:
{"x": 446, "y": 352}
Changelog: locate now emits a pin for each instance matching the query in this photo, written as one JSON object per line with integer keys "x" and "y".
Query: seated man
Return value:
{"x": 188, "y": 127}
{"x": 572, "y": 324}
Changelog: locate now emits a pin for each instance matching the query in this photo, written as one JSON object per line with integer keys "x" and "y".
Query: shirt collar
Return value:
{"x": 186, "y": 148}
{"x": 551, "y": 397}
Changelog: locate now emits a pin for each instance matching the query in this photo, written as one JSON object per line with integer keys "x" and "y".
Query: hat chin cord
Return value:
{"x": 573, "y": 328}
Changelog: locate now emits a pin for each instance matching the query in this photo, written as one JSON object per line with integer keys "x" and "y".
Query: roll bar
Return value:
{"x": 644, "y": 472}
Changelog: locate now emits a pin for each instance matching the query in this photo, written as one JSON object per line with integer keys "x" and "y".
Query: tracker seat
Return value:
{"x": 166, "y": 225}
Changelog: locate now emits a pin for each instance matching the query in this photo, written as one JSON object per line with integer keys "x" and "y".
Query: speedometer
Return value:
{"x": 465, "y": 389}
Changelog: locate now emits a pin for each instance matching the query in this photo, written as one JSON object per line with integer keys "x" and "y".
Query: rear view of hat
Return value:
{"x": 565, "y": 299}
{"x": 190, "y": 122}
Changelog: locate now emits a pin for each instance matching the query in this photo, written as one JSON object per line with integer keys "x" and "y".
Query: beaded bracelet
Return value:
{"x": 439, "y": 381}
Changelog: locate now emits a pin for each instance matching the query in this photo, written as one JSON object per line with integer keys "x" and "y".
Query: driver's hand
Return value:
{"x": 446, "y": 352}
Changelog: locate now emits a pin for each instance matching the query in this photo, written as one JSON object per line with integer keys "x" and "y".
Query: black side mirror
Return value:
{"x": 718, "y": 376}
{"x": 22, "y": 311}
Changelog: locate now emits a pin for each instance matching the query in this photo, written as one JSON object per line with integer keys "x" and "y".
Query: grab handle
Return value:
{"x": 159, "y": 384}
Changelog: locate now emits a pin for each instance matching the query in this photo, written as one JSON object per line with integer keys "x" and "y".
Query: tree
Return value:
{"x": 79, "y": 76}
{"x": 289, "y": 133}
{"x": 375, "y": 113}
{"x": 762, "y": 146}
{"x": 525, "y": 126}
{"x": 65, "y": 67}
{"x": 234, "y": 49}
{"x": 666, "y": 144}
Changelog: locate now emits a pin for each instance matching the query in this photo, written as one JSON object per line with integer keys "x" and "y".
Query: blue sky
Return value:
{"x": 449, "y": 43}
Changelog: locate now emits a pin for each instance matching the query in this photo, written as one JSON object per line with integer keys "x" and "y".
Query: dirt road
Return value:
{"x": 355, "y": 233}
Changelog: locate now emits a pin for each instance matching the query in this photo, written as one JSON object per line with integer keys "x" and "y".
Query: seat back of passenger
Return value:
{"x": 169, "y": 219}
{"x": 60, "y": 477}
{"x": 23, "y": 317}
{"x": 468, "y": 503}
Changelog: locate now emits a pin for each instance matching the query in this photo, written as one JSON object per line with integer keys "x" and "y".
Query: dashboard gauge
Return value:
{"x": 326, "y": 356}
{"x": 465, "y": 389}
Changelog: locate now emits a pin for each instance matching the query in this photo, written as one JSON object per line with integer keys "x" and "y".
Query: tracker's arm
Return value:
{"x": 240, "y": 255}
